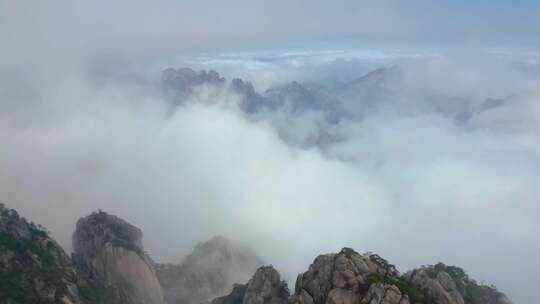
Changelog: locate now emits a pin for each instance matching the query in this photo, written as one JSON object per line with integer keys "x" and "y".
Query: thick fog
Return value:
{"x": 445, "y": 166}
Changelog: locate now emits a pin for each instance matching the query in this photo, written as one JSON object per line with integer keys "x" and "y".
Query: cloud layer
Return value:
{"x": 417, "y": 187}
{"x": 84, "y": 124}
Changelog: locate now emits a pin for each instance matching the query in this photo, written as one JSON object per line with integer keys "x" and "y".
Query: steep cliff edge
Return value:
{"x": 110, "y": 250}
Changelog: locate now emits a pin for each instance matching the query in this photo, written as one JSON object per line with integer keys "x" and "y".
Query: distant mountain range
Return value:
{"x": 289, "y": 107}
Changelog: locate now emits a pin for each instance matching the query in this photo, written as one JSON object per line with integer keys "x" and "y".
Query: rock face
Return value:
{"x": 347, "y": 278}
{"x": 451, "y": 285}
{"x": 33, "y": 267}
{"x": 208, "y": 272}
{"x": 110, "y": 250}
{"x": 265, "y": 287}
{"x": 344, "y": 278}
{"x": 109, "y": 266}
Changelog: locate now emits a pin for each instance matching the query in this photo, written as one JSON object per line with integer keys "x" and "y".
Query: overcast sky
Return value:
{"x": 32, "y": 30}
{"x": 83, "y": 126}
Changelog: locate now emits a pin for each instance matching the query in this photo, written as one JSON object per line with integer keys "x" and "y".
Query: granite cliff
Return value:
{"x": 111, "y": 250}
{"x": 110, "y": 266}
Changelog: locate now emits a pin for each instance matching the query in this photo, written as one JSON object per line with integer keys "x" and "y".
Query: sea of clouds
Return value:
{"x": 417, "y": 187}
{"x": 447, "y": 171}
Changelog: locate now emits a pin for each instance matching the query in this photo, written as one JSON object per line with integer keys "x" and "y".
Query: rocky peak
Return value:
{"x": 242, "y": 87}
{"x": 349, "y": 277}
{"x": 451, "y": 285}
{"x": 179, "y": 83}
{"x": 99, "y": 229}
{"x": 33, "y": 267}
{"x": 293, "y": 95}
{"x": 250, "y": 100}
{"x": 110, "y": 267}
{"x": 110, "y": 250}
{"x": 379, "y": 77}
{"x": 265, "y": 287}
{"x": 374, "y": 91}
{"x": 208, "y": 271}
{"x": 186, "y": 77}
{"x": 220, "y": 251}
{"x": 337, "y": 278}
{"x": 235, "y": 297}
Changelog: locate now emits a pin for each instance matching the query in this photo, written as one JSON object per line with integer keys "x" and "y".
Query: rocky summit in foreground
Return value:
{"x": 33, "y": 267}
{"x": 349, "y": 277}
{"x": 450, "y": 284}
{"x": 111, "y": 250}
{"x": 110, "y": 266}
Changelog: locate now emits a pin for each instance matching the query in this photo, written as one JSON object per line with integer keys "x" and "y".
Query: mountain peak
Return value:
{"x": 100, "y": 228}
{"x": 208, "y": 271}
{"x": 264, "y": 287}
{"x": 110, "y": 249}
{"x": 33, "y": 267}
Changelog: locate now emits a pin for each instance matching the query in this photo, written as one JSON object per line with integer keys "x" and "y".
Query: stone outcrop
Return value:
{"x": 346, "y": 278}
{"x": 208, "y": 272}
{"x": 451, "y": 285}
{"x": 110, "y": 250}
{"x": 33, "y": 267}
{"x": 110, "y": 266}
{"x": 349, "y": 277}
{"x": 265, "y": 287}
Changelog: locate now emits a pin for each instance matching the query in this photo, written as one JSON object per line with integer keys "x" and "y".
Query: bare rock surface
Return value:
{"x": 110, "y": 249}
{"x": 451, "y": 285}
{"x": 110, "y": 266}
{"x": 265, "y": 287}
{"x": 346, "y": 278}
